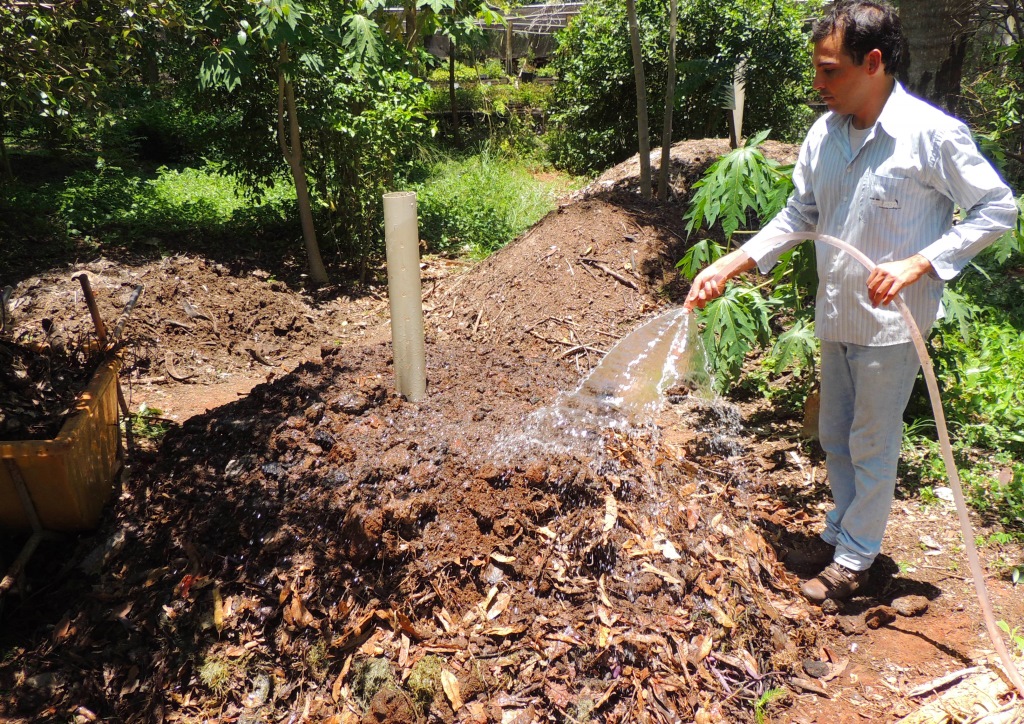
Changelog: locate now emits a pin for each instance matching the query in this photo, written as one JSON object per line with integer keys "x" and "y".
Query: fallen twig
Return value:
{"x": 930, "y": 686}
{"x": 809, "y": 686}
{"x": 173, "y": 373}
{"x": 580, "y": 348}
{"x": 123, "y": 319}
{"x": 613, "y": 274}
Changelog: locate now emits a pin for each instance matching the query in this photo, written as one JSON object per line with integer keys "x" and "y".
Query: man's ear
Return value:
{"x": 873, "y": 61}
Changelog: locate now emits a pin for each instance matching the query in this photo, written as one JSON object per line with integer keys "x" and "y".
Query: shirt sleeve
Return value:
{"x": 799, "y": 214}
{"x": 965, "y": 176}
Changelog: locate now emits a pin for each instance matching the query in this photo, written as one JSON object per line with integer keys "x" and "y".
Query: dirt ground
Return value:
{"x": 305, "y": 545}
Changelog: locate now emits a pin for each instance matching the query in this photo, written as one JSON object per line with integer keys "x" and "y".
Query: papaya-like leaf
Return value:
{"x": 735, "y": 323}
{"x": 796, "y": 347}
{"x": 959, "y": 312}
{"x": 699, "y": 256}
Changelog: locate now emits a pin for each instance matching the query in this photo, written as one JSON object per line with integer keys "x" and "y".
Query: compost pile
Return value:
{"x": 39, "y": 385}
{"x": 196, "y": 321}
{"x": 322, "y": 550}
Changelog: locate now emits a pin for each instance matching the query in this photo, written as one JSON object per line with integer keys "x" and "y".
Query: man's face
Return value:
{"x": 844, "y": 86}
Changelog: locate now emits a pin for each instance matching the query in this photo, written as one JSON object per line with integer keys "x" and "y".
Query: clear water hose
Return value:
{"x": 947, "y": 452}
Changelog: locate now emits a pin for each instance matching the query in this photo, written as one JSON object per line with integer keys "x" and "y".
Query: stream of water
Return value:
{"x": 625, "y": 390}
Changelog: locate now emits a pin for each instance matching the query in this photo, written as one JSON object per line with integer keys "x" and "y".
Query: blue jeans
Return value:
{"x": 864, "y": 392}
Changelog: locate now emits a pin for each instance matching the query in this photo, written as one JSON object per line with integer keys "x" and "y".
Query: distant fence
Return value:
{"x": 527, "y": 32}
{"x": 538, "y": 19}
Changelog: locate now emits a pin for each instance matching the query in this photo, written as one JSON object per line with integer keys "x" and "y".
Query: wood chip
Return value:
{"x": 500, "y": 604}
{"x": 808, "y": 685}
{"x": 611, "y": 512}
{"x": 930, "y": 686}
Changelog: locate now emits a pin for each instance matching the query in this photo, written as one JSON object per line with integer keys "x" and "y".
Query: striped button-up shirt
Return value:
{"x": 892, "y": 199}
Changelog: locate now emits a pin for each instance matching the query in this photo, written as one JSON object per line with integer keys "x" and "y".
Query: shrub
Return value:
{"x": 993, "y": 93}
{"x": 740, "y": 190}
{"x": 513, "y": 114}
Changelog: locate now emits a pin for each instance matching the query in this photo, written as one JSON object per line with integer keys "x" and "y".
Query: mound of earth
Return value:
{"x": 687, "y": 161}
{"x": 323, "y": 550}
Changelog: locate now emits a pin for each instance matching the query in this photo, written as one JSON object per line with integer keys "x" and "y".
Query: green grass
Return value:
{"x": 476, "y": 205}
{"x": 468, "y": 205}
{"x": 220, "y": 194}
{"x": 109, "y": 204}
{"x": 190, "y": 203}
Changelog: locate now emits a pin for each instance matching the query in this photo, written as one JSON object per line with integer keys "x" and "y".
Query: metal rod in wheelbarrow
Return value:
{"x": 101, "y": 333}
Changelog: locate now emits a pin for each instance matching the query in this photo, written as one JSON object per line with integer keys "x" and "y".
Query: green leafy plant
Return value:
{"x": 1001, "y": 537}
{"x": 764, "y": 701}
{"x": 796, "y": 347}
{"x": 178, "y": 206}
{"x": 149, "y": 423}
{"x": 1015, "y": 635}
{"x": 993, "y": 91}
{"x": 593, "y": 110}
{"x": 1003, "y": 501}
{"x": 699, "y": 256}
{"x": 1010, "y": 243}
{"x": 741, "y": 189}
{"x": 735, "y": 323}
{"x": 740, "y": 186}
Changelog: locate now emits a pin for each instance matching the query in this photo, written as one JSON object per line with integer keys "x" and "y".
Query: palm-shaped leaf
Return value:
{"x": 796, "y": 347}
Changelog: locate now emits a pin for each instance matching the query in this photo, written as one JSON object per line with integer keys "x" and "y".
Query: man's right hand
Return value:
{"x": 710, "y": 282}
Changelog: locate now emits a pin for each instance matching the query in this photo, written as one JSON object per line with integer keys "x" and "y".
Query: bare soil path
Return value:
{"x": 303, "y": 545}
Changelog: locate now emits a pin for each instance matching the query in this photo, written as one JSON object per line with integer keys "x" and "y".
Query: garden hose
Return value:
{"x": 944, "y": 444}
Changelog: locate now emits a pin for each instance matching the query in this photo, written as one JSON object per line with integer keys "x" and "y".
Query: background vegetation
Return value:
{"x": 593, "y": 110}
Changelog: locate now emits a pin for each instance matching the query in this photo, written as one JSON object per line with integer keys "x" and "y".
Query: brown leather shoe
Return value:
{"x": 836, "y": 581}
{"x": 815, "y": 554}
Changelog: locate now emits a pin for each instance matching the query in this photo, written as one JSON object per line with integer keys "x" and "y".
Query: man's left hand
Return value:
{"x": 886, "y": 280}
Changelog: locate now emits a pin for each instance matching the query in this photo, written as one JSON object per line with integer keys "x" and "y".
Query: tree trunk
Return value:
{"x": 8, "y": 172}
{"x": 670, "y": 101}
{"x": 150, "y": 64}
{"x": 451, "y": 91}
{"x": 939, "y": 33}
{"x": 291, "y": 147}
{"x": 641, "y": 102}
{"x": 412, "y": 34}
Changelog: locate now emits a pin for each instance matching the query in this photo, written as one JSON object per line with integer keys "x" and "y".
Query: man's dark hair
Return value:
{"x": 863, "y": 26}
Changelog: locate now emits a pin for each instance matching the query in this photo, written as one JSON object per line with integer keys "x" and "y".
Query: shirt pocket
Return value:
{"x": 885, "y": 202}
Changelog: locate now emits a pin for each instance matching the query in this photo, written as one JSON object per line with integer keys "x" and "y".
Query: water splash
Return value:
{"x": 634, "y": 376}
{"x": 624, "y": 391}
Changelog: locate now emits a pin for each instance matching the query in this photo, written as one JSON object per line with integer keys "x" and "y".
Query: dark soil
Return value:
{"x": 323, "y": 550}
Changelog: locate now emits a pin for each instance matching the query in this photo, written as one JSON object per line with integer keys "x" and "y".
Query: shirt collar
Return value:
{"x": 893, "y": 119}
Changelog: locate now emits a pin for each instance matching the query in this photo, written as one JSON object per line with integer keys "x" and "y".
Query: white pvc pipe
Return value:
{"x": 973, "y": 561}
{"x": 401, "y": 238}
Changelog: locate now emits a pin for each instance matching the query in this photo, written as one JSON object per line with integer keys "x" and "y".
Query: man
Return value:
{"x": 881, "y": 170}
